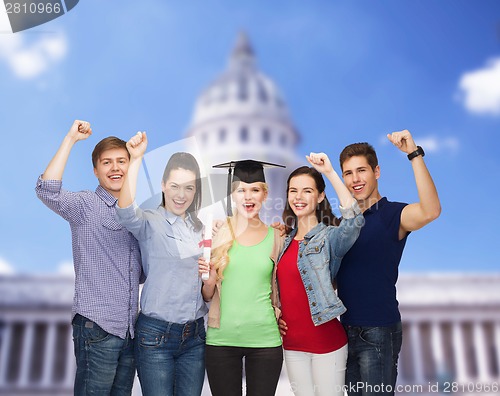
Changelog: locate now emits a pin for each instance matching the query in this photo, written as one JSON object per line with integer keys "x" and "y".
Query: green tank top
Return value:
{"x": 247, "y": 316}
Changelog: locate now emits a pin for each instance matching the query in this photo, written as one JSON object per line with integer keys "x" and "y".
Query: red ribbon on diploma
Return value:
{"x": 205, "y": 243}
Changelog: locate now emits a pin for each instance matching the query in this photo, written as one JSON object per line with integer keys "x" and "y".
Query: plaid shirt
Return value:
{"x": 106, "y": 256}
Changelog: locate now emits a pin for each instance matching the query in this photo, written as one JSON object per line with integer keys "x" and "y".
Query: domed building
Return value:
{"x": 242, "y": 115}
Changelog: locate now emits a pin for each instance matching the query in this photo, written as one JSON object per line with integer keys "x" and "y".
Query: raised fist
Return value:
{"x": 403, "y": 141}
{"x": 320, "y": 161}
{"x": 137, "y": 145}
{"x": 80, "y": 130}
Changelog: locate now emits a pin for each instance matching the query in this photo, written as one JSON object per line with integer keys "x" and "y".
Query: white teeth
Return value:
{"x": 115, "y": 177}
{"x": 358, "y": 188}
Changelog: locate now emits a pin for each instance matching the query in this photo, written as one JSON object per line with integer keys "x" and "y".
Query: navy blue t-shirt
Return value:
{"x": 367, "y": 277}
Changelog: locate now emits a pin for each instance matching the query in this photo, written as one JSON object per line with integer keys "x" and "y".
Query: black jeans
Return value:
{"x": 225, "y": 370}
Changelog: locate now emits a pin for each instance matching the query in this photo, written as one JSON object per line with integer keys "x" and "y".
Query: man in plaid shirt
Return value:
{"x": 107, "y": 265}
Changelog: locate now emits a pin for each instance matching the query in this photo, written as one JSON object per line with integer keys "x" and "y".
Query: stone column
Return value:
{"x": 481, "y": 353}
{"x": 416, "y": 349}
{"x": 4, "y": 352}
{"x": 459, "y": 348}
{"x": 70, "y": 366}
{"x": 402, "y": 372}
{"x": 437, "y": 350}
{"x": 27, "y": 351}
{"x": 497, "y": 346}
{"x": 50, "y": 348}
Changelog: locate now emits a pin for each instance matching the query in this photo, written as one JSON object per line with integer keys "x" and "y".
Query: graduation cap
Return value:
{"x": 247, "y": 171}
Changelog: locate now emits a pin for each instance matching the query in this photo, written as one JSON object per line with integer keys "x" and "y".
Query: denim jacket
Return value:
{"x": 319, "y": 258}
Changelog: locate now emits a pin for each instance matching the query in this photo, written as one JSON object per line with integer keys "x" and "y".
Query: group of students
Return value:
{"x": 270, "y": 291}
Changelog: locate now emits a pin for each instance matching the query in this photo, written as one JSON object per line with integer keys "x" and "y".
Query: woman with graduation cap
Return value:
{"x": 242, "y": 320}
{"x": 314, "y": 341}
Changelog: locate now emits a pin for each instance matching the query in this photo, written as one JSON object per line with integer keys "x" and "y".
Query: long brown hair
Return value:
{"x": 186, "y": 161}
{"x": 324, "y": 212}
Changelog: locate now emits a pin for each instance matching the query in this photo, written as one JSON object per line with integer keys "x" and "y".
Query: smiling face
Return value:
{"x": 110, "y": 169}
{"x": 303, "y": 196}
{"x": 179, "y": 191}
{"x": 361, "y": 180}
{"x": 249, "y": 198}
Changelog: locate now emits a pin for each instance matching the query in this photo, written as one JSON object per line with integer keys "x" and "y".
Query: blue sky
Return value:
{"x": 349, "y": 71}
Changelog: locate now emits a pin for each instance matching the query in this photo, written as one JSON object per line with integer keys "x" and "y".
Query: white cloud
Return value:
{"x": 66, "y": 269}
{"x": 6, "y": 268}
{"x": 480, "y": 89}
{"x": 30, "y": 59}
{"x": 433, "y": 144}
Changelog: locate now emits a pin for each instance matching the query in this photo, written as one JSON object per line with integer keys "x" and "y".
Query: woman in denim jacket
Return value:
{"x": 314, "y": 341}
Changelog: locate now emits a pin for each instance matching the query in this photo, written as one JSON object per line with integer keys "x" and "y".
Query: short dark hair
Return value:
{"x": 111, "y": 142}
{"x": 186, "y": 161}
{"x": 359, "y": 149}
{"x": 324, "y": 212}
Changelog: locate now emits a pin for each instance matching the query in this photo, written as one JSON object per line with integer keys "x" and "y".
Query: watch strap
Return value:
{"x": 416, "y": 153}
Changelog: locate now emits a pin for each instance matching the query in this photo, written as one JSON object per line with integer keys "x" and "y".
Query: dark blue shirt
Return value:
{"x": 369, "y": 271}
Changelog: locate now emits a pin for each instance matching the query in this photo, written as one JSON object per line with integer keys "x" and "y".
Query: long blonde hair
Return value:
{"x": 225, "y": 238}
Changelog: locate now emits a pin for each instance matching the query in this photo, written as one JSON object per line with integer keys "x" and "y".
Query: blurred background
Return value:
{"x": 270, "y": 81}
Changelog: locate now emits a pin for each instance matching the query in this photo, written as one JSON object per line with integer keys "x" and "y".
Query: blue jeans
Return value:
{"x": 170, "y": 356}
{"x": 372, "y": 360}
{"x": 104, "y": 362}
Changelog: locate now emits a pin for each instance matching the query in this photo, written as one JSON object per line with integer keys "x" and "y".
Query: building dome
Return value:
{"x": 242, "y": 115}
{"x": 242, "y": 105}
{"x": 241, "y": 91}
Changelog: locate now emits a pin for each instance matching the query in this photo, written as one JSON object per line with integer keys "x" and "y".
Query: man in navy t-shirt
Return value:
{"x": 369, "y": 271}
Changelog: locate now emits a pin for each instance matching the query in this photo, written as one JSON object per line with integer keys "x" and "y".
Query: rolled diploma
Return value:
{"x": 207, "y": 243}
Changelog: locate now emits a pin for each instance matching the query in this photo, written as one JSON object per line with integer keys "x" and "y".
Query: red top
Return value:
{"x": 302, "y": 335}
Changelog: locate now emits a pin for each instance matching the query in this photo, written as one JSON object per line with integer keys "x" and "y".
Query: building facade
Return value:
{"x": 451, "y": 327}
{"x": 36, "y": 347}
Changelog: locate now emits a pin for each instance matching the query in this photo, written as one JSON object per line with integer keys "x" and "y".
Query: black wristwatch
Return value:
{"x": 416, "y": 153}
